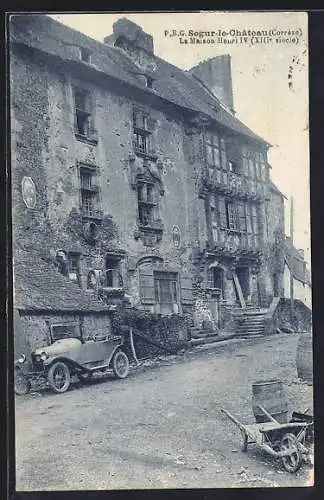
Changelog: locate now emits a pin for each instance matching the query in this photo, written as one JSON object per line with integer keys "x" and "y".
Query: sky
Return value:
{"x": 270, "y": 85}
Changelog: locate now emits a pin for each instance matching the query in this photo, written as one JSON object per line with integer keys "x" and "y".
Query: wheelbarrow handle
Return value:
{"x": 237, "y": 422}
{"x": 270, "y": 417}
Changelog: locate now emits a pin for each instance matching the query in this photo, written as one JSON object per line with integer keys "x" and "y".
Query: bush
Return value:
{"x": 154, "y": 334}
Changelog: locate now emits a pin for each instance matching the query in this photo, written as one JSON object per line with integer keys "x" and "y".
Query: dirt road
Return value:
{"x": 160, "y": 428}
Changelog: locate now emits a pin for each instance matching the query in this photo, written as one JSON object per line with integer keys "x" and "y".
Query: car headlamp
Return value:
{"x": 43, "y": 356}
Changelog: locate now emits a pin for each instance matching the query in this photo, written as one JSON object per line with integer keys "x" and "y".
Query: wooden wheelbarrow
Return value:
{"x": 285, "y": 441}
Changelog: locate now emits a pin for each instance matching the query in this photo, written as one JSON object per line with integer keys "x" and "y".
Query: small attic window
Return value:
{"x": 85, "y": 55}
{"x": 149, "y": 82}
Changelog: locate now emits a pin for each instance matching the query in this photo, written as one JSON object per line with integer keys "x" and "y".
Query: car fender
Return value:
{"x": 69, "y": 362}
{"x": 117, "y": 347}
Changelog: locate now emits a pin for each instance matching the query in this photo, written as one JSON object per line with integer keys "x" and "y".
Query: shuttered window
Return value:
{"x": 146, "y": 282}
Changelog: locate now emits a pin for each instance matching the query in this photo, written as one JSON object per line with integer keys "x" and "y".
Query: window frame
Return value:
{"x": 83, "y": 51}
{"x": 211, "y": 281}
{"x": 84, "y": 114}
{"x": 90, "y": 192}
{"x": 141, "y": 132}
{"x": 149, "y": 206}
{"x": 74, "y": 271}
{"x": 172, "y": 280}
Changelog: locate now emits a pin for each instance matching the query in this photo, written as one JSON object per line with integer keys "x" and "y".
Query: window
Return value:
{"x": 113, "y": 275}
{"x": 89, "y": 192}
{"x": 222, "y": 213}
{"x": 65, "y": 331}
{"x": 82, "y": 113}
{"x": 233, "y": 167}
{"x": 231, "y": 215}
{"x": 236, "y": 216}
{"x": 85, "y": 55}
{"x": 74, "y": 267}
{"x": 212, "y": 150}
{"x": 166, "y": 291}
{"x": 149, "y": 82}
{"x": 141, "y": 132}
{"x": 147, "y": 206}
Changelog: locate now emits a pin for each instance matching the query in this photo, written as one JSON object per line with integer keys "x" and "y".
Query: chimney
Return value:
{"x": 216, "y": 74}
{"x": 127, "y": 33}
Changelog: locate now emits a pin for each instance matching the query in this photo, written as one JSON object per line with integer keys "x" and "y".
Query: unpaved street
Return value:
{"x": 160, "y": 428}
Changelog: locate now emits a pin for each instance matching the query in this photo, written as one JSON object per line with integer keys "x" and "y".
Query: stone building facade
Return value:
{"x": 133, "y": 179}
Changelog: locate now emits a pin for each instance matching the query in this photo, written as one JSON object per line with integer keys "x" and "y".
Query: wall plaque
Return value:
{"x": 176, "y": 236}
{"x": 28, "y": 190}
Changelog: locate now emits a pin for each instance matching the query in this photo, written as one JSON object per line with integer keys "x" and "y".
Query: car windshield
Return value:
{"x": 65, "y": 331}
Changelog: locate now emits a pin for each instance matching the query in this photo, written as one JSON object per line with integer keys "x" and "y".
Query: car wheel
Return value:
{"x": 120, "y": 364}
{"x": 59, "y": 377}
{"x": 84, "y": 377}
{"x": 21, "y": 383}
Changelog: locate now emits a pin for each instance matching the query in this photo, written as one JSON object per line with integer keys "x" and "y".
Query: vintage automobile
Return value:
{"x": 68, "y": 355}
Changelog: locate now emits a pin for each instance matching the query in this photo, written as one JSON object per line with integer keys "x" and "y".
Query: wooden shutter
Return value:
{"x": 222, "y": 212}
{"x": 146, "y": 285}
{"x": 241, "y": 215}
{"x": 248, "y": 218}
{"x": 186, "y": 290}
{"x": 255, "y": 225}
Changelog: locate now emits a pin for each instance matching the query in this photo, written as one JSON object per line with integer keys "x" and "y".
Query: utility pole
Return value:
{"x": 291, "y": 270}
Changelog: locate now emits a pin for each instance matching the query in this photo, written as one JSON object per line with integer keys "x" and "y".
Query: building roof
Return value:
{"x": 39, "y": 286}
{"x": 296, "y": 263}
{"x": 171, "y": 83}
{"x": 275, "y": 189}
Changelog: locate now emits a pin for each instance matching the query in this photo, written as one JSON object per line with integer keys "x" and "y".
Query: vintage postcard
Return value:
{"x": 161, "y": 250}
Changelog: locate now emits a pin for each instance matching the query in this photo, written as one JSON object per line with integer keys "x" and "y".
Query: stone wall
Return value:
{"x": 49, "y": 152}
{"x": 302, "y": 317}
{"x": 37, "y": 331}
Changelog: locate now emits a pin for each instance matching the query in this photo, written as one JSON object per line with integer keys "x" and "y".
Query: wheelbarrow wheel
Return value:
{"x": 291, "y": 462}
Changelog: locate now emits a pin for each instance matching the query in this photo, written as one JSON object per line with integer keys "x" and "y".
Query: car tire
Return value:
{"x": 21, "y": 384}
{"x": 59, "y": 377}
{"x": 120, "y": 364}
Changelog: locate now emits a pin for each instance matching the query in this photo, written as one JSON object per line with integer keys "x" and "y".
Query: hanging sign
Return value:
{"x": 28, "y": 190}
